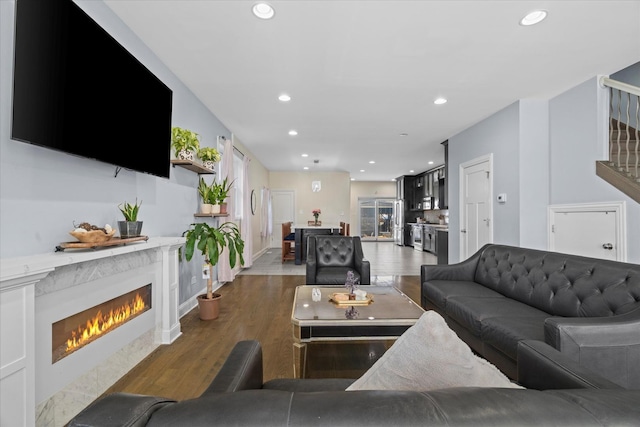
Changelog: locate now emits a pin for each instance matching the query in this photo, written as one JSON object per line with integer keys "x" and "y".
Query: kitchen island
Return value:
{"x": 302, "y": 231}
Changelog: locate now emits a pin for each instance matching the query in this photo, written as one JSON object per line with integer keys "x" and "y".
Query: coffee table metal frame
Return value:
{"x": 390, "y": 314}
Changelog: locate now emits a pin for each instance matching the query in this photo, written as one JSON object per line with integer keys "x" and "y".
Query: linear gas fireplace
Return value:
{"x": 76, "y": 331}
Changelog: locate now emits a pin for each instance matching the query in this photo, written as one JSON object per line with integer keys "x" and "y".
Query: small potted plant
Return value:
{"x": 209, "y": 156}
{"x": 130, "y": 227}
{"x": 185, "y": 143}
{"x": 204, "y": 190}
{"x": 210, "y": 241}
{"x": 223, "y": 192}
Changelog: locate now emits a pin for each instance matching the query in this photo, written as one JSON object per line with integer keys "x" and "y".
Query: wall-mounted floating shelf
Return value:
{"x": 192, "y": 166}
{"x": 209, "y": 215}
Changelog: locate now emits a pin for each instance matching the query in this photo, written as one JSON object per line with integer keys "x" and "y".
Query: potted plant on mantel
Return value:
{"x": 130, "y": 227}
{"x": 185, "y": 143}
{"x": 209, "y": 156}
{"x": 210, "y": 241}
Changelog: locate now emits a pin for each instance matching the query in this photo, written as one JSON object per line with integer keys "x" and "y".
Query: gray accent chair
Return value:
{"x": 330, "y": 257}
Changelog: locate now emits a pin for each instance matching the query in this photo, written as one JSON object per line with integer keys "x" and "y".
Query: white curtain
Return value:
{"x": 265, "y": 213}
{"x": 245, "y": 223}
{"x": 225, "y": 272}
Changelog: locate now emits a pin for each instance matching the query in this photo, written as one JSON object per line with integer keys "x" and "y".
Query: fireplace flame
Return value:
{"x": 102, "y": 323}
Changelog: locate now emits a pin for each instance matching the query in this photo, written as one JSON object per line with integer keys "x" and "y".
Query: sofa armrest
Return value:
{"x": 465, "y": 270}
{"x": 119, "y": 410}
{"x": 607, "y": 345}
{"x": 242, "y": 370}
{"x": 361, "y": 264}
{"x": 542, "y": 367}
{"x": 311, "y": 264}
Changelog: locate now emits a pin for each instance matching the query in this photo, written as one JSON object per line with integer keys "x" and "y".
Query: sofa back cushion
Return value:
{"x": 560, "y": 284}
{"x": 334, "y": 251}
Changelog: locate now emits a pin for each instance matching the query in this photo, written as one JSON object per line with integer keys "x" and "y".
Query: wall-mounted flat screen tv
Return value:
{"x": 77, "y": 90}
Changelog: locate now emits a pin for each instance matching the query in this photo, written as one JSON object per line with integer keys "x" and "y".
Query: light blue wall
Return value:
{"x": 43, "y": 192}
{"x": 534, "y": 173}
{"x": 497, "y": 135}
{"x": 544, "y": 153}
{"x": 575, "y": 148}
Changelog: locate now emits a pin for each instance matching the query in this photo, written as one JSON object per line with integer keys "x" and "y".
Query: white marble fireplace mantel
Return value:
{"x": 19, "y": 290}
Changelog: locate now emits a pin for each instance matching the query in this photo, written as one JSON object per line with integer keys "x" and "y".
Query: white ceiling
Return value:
{"x": 360, "y": 73}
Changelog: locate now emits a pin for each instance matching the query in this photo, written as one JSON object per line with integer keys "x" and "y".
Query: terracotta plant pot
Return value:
{"x": 209, "y": 308}
{"x": 223, "y": 208}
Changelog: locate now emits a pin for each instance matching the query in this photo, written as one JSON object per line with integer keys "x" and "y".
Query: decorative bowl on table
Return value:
{"x": 93, "y": 236}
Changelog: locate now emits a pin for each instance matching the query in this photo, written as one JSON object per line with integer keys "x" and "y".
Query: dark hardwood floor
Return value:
{"x": 252, "y": 307}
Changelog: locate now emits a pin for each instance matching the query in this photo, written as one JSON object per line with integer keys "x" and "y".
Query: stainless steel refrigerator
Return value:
{"x": 398, "y": 222}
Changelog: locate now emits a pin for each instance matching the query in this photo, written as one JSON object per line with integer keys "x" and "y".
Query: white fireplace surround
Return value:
{"x": 37, "y": 291}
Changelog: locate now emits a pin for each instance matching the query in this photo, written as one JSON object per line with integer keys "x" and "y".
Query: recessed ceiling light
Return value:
{"x": 305, "y": 155}
{"x": 353, "y": 179}
{"x": 534, "y": 17}
{"x": 361, "y": 170}
{"x": 371, "y": 162}
{"x": 284, "y": 97}
{"x": 411, "y": 171}
{"x": 306, "y": 167}
{"x": 263, "y": 10}
{"x": 293, "y": 132}
{"x": 440, "y": 101}
{"x": 430, "y": 163}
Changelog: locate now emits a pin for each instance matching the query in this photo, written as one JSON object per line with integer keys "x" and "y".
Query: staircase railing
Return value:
{"x": 624, "y": 138}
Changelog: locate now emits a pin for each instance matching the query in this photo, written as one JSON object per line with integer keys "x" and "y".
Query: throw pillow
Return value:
{"x": 430, "y": 356}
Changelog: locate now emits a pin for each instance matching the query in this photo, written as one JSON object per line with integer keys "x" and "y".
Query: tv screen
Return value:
{"x": 77, "y": 90}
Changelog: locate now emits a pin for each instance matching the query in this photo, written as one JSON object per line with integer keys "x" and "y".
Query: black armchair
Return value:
{"x": 330, "y": 257}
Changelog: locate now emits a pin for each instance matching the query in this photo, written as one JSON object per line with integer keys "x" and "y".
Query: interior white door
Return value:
{"x": 476, "y": 216}
{"x": 283, "y": 208}
{"x": 592, "y": 231}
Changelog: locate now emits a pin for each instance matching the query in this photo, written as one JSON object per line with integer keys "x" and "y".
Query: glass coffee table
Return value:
{"x": 389, "y": 313}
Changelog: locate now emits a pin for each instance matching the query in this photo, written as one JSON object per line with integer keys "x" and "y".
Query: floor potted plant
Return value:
{"x": 130, "y": 227}
{"x": 210, "y": 241}
{"x": 209, "y": 156}
{"x": 185, "y": 143}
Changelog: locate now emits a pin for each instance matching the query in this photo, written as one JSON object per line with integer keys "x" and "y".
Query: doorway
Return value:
{"x": 283, "y": 203}
{"x": 476, "y": 215}
{"x": 376, "y": 219}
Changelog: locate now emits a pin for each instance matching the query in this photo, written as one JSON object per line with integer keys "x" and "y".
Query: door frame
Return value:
{"x": 375, "y": 201}
{"x": 275, "y": 241}
{"x": 619, "y": 209}
{"x": 487, "y": 158}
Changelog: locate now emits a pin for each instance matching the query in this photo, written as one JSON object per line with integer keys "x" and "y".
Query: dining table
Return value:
{"x": 303, "y": 231}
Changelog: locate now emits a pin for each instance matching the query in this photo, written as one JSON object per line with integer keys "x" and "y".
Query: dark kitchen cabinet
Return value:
{"x": 442, "y": 247}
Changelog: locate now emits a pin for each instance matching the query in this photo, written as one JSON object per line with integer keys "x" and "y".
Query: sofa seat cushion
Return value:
{"x": 470, "y": 312}
{"x": 430, "y": 356}
{"x": 437, "y": 291}
{"x": 504, "y": 333}
{"x": 334, "y": 275}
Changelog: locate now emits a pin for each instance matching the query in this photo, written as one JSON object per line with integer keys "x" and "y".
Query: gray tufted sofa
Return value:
{"x": 330, "y": 257}
{"x": 585, "y": 308}
{"x": 237, "y": 396}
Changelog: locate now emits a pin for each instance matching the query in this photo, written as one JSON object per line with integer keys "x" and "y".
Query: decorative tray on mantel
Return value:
{"x": 114, "y": 241}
